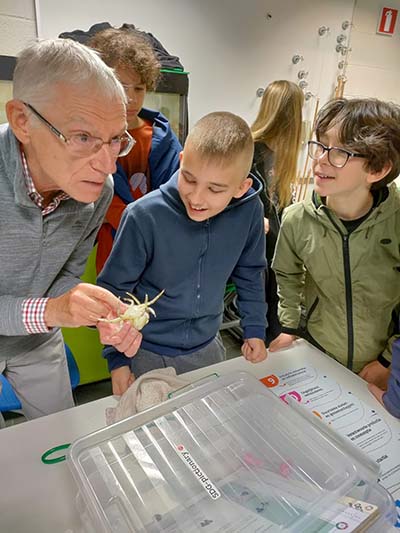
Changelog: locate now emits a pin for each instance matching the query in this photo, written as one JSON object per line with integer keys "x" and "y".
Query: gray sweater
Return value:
{"x": 39, "y": 256}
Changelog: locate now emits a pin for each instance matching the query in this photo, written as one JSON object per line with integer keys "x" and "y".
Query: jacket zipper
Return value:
{"x": 201, "y": 259}
{"x": 197, "y": 302}
{"x": 312, "y": 309}
{"x": 349, "y": 294}
{"x": 349, "y": 302}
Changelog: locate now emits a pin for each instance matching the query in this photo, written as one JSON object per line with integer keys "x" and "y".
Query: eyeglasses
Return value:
{"x": 84, "y": 145}
{"x": 337, "y": 157}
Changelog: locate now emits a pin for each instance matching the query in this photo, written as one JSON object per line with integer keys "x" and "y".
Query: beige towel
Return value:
{"x": 147, "y": 390}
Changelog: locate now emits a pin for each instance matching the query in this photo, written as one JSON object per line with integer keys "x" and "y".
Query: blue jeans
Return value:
{"x": 145, "y": 360}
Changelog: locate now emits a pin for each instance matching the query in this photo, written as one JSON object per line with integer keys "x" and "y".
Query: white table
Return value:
{"x": 38, "y": 498}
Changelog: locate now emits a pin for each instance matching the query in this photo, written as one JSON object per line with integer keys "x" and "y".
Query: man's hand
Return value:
{"x": 125, "y": 338}
{"x": 83, "y": 305}
{"x": 266, "y": 225}
{"x": 377, "y": 392}
{"x": 121, "y": 379}
{"x": 254, "y": 350}
{"x": 376, "y": 373}
{"x": 284, "y": 340}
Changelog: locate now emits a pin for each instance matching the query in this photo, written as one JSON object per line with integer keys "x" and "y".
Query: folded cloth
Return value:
{"x": 147, "y": 390}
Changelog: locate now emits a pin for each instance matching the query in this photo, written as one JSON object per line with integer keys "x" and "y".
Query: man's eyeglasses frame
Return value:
{"x": 126, "y": 136}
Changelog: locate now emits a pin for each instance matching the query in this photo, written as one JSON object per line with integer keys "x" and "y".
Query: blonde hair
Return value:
{"x": 221, "y": 135}
{"x": 278, "y": 125}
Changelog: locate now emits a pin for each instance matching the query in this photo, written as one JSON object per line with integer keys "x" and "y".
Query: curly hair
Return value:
{"x": 128, "y": 49}
{"x": 369, "y": 127}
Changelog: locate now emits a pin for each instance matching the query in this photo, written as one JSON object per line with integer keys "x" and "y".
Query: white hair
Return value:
{"x": 44, "y": 63}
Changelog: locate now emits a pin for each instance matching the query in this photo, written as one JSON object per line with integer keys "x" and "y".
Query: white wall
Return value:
{"x": 374, "y": 62}
{"x": 17, "y": 28}
{"x": 17, "y": 25}
{"x": 229, "y": 46}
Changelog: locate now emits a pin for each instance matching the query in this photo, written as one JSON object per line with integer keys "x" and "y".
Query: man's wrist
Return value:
{"x": 48, "y": 313}
{"x": 33, "y": 315}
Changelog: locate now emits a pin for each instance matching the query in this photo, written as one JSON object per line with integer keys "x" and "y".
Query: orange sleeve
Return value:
{"x": 115, "y": 211}
{"x": 104, "y": 244}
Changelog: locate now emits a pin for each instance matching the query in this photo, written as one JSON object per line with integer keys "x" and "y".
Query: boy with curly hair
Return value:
{"x": 155, "y": 156}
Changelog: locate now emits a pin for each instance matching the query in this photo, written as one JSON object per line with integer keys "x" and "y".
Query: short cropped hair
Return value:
{"x": 369, "y": 127}
{"x": 45, "y": 63}
{"x": 221, "y": 135}
{"x": 128, "y": 49}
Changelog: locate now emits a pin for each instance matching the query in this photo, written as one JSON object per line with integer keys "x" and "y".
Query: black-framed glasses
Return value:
{"x": 84, "y": 145}
{"x": 337, "y": 157}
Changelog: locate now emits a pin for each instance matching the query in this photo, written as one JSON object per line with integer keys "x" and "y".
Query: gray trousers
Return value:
{"x": 213, "y": 353}
{"x": 40, "y": 378}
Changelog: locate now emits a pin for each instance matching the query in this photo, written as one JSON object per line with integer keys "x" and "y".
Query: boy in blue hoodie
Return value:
{"x": 189, "y": 237}
{"x": 155, "y": 156}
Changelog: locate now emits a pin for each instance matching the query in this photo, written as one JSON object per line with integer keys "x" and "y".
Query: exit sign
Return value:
{"x": 387, "y": 21}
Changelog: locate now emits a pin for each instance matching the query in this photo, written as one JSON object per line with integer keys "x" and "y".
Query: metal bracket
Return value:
{"x": 297, "y": 58}
{"x": 323, "y": 30}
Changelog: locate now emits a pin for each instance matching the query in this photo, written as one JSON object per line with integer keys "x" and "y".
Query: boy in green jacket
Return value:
{"x": 337, "y": 260}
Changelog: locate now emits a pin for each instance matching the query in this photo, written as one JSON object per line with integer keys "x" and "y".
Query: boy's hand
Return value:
{"x": 266, "y": 225}
{"x": 254, "y": 350}
{"x": 284, "y": 340}
{"x": 377, "y": 392}
{"x": 121, "y": 379}
{"x": 125, "y": 338}
{"x": 376, "y": 373}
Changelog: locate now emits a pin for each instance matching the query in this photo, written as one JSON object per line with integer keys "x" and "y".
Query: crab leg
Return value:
{"x": 138, "y": 302}
{"x": 156, "y": 298}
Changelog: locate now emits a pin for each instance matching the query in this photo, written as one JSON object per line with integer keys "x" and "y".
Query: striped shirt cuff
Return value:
{"x": 33, "y": 315}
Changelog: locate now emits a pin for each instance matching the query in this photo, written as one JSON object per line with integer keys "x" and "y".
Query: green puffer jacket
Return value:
{"x": 341, "y": 291}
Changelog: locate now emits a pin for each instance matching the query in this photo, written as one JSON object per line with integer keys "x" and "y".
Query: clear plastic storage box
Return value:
{"x": 227, "y": 456}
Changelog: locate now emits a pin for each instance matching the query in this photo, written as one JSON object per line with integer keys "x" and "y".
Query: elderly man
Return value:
{"x": 66, "y": 128}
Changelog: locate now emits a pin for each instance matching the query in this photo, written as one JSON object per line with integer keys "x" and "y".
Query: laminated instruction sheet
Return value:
{"x": 346, "y": 414}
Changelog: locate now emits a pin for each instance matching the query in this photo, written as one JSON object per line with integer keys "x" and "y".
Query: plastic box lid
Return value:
{"x": 226, "y": 456}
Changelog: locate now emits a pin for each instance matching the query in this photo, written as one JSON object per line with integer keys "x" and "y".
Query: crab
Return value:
{"x": 138, "y": 314}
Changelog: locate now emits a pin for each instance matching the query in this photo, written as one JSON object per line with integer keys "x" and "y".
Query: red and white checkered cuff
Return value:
{"x": 33, "y": 315}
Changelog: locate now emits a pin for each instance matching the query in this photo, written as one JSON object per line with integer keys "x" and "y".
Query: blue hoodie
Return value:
{"x": 391, "y": 398}
{"x": 163, "y": 158}
{"x": 157, "y": 246}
